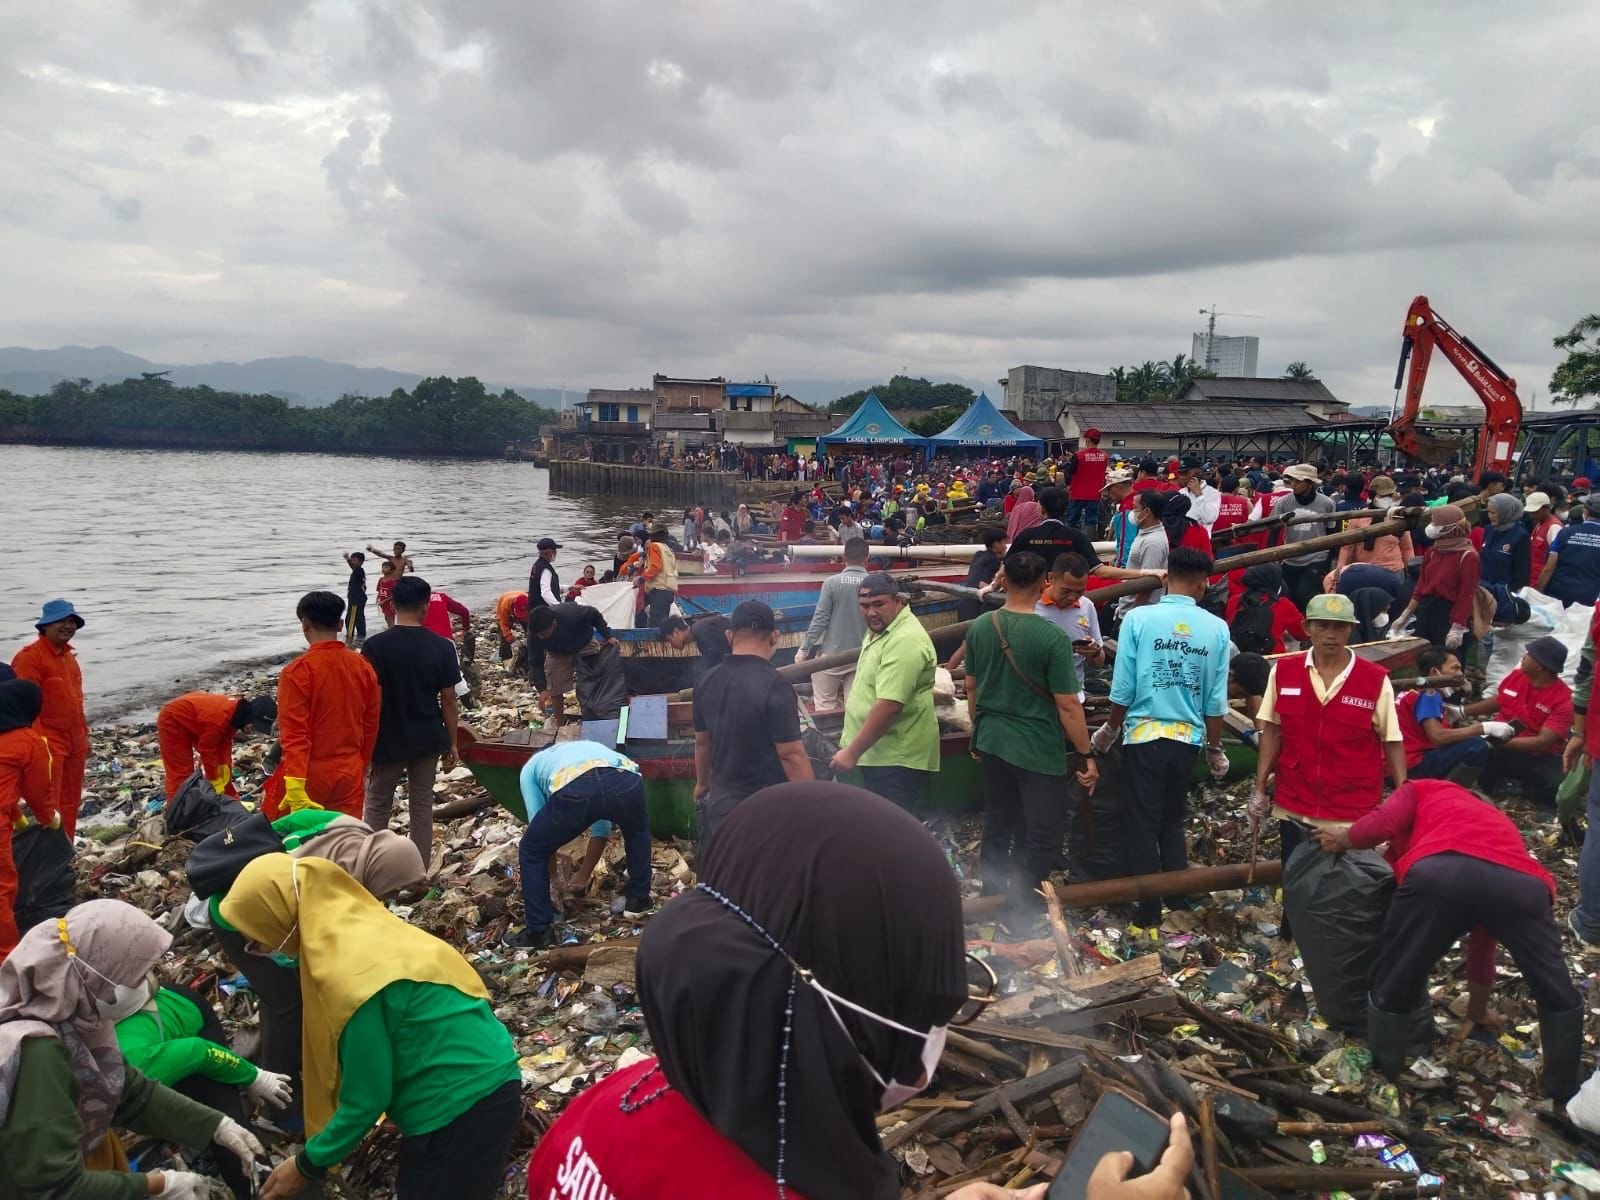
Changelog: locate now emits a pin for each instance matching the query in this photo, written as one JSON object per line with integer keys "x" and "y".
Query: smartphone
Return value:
{"x": 1118, "y": 1122}
{"x": 1083, "y": 644}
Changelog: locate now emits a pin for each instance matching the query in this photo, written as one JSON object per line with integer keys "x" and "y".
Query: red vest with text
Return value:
{"x": 1331, "y": 764}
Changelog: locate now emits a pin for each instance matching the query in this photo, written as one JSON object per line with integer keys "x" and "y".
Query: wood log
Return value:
{"x": 565, "y": 958}
{"x": 1065, "y": 955}
{"x": 1018, "y": 1092}
{"x": 1188, "y": 882}
{"x": 462, "y": 806}
{"x": 981, "y": 908}
{"x": 1330, "y": 1106}
{"x": 1208, "y": 1146}
{"x": 1328, "y": 1128}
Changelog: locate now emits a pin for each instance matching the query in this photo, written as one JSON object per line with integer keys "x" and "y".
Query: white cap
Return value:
{"x": 1535, "y": 501}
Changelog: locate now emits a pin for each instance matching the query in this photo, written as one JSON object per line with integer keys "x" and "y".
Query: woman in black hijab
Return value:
{"x": 808, "y": 886}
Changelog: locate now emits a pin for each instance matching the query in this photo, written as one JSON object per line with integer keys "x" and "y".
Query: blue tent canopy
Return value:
{"x": 871, "y": 425}
{"x": 983, "y": 425}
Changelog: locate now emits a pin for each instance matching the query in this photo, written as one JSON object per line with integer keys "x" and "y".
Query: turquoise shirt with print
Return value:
{"x": 1172, "y": 670}
{"x": 548, "y": 771}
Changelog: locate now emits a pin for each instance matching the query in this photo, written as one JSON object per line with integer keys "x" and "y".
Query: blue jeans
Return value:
{"x": 1587, "y": 915}
{"x": 1366, "y": 575}
{"x": 1084, "y": 514}
{"x": 601, "y": 794}
{"x": 1440, "y": 761}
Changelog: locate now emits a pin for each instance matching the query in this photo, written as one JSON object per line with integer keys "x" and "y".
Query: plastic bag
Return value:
{"x": 1573, "y": 791}
{"x": 1546, "y": 616}
{"x": 196, "y": 811}
{"x": 45, "y": 880}
{"x": 1337, "y": 904}
{"x": 1095, "y": 848}
{"x": 601, "y": 685}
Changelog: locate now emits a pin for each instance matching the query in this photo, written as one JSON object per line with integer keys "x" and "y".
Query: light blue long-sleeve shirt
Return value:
{"x": 548, "y": 771}
{"x": 1171, "y": 672}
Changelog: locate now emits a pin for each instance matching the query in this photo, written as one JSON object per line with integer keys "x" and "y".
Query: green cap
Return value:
{"x": 1331, "y": 608}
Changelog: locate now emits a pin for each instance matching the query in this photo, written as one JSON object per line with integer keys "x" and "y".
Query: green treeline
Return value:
{"x": 438, "y": 416}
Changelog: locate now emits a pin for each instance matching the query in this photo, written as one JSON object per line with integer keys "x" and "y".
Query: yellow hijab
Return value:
{"x": 350, "y": 948}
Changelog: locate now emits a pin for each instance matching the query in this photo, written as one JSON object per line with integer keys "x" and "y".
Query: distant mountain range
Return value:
{"x": 313, "y": 382}
{"x": 316, "y": 381}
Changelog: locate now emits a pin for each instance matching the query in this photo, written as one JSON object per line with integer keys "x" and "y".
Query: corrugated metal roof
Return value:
{"x": 1173, "y": 420}
{"x": 1281, "y": 391}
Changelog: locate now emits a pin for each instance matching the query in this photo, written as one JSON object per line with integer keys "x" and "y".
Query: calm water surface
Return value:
{"x": 187, "y": 565}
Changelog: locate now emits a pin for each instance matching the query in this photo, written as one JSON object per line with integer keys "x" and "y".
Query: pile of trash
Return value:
{"x": 1210, "y": 1013}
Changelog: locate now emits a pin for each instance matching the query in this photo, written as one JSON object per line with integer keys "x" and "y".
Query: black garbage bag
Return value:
{"x": 197, "y": 811}
{"x": 44, "y": 875}
{"x": 602, "y": 687}
{"x": 1095, "y": 847}
{"x": 1337, "y": 904}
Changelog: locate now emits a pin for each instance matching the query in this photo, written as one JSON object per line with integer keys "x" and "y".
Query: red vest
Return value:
{"x": 1451, "y": 820}
{"x": 1416, "y": 738}
{"x": 1232, "y": 510}
{"x": 1331, "y": 763}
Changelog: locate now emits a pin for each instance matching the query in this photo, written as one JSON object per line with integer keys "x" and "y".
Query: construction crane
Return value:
{"x": 1211, "y": 314}
{"x": 1497, "y": 437}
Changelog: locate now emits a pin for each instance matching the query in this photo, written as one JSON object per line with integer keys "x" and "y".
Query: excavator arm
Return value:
{"x": 1497, "y": 438}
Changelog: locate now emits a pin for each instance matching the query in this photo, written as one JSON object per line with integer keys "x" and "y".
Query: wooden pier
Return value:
{"x": 652, "y": 483}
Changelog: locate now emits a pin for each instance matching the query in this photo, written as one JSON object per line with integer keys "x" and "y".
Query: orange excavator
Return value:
{"x": 1497, "y": 437}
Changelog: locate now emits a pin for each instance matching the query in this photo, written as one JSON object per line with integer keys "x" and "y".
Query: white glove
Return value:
{"x": 1260, "y": 805}
{"x": 239, "y": 1142}
{"x": 1217, "y": 760}
{"x": 1396, "y": 633}
{"x": 197, "y": 912}
{"x": 1498, "y": 731}
{"x": 184, "y": 1185}
{"x": 268, "y": 1087}
{"x": 1454, "y": 638}
{"x": 1104, "y": 738}
{"x": 1455, "y": 712}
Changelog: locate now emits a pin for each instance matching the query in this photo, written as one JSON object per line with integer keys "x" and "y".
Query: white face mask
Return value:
{"x": 895, "y": 1093}
{"x": 1385, "y": 501}
{"x": 1432, "y": 532}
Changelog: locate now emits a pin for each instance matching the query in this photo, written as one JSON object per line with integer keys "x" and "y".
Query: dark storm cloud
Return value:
{"x": 591, "y": 192}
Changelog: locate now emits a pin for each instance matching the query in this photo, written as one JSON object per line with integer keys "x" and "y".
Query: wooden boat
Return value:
{"x": 668, "y": 770}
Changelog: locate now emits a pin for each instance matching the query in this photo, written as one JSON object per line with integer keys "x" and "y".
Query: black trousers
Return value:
{"x": 277, "y": 990}
{"x": 1538, "y": 774}
{"x": 466, "y": 1159}
{"x": 1156, "y": 776}
{"x": 1302, "y": 583}
{"x": 1447, "y": 896}
{"x": 224, "y": 1097}
{"x": 355, "y": 618}
{"x": 1024, "y": 824}
{"x": 1290, "y": 835}
{"x": 903, "y": 785}
{"x": 657, "y": 607}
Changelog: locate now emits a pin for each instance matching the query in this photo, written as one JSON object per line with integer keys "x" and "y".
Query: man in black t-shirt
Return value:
{"x": 1053, "y": 537}
{"x": 709, "y": 635}
{"x": 746, "y": 722}
{"x": 563, "y": 634}
{"x": 417, "y": 675}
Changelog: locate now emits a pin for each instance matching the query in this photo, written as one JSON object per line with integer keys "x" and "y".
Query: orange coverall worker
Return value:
{"x": 198, "y": 722}
{"x": 328, "y": 704}
{"x": 24, "y": 775}
{"x": 510, "y": 608}
{"x": 61, "y": 721}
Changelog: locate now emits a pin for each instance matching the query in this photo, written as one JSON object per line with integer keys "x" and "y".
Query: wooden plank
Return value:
{"x": 1030, "y": 1036}
{"x": 1145, "y": 967}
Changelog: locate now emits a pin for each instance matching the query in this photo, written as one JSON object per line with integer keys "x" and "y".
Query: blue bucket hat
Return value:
{"x": 57, "y": 610}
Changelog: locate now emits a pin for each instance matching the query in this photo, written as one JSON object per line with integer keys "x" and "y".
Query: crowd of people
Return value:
{"x": 791, "y": 939}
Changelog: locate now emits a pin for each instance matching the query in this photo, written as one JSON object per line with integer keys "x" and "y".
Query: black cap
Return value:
{"x": 878, "y": 583}
{"x": 752, "y": 614}
{"x": 263, "y": 711}
{"x": 1549, "y": 652}
{"x": 1192, "y": 463}
{"x": 549, "y": 544}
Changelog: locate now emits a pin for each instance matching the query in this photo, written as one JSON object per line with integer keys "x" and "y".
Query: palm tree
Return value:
{"x": 1146, "y": 382}
{"x": 1299, "y": 370}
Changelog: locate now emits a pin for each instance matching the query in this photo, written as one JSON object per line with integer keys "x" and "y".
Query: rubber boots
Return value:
{"x": 1561, "y": 1046}
{"x": 1389, "y": 1037}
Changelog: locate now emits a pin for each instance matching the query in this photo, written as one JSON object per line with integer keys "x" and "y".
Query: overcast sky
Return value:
{"x": 584, "y": 193}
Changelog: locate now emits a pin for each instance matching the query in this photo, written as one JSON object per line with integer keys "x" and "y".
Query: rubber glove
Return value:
{"x": 1498, "y": 731}
{"x": 55, "y": 819}
{"x": 1395, "y": 633}
{"x": 239, "y": 1142}
{"x": 268, "y": 1087}
{"x": 1455, "y": 637}
{"x": 1217, "y": 760}
{"x": 184, "y": 1185}
{"x": 1260, "y": 805}
{"x": 294, "y": 795}
{"x": 197, "y": 912}
{"x": 1103, "y": 739}
{"x": 220, "y": 780}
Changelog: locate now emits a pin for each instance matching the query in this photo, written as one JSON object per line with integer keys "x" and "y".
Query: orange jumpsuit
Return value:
{"x": 328, "y": 723}
{"x": 24, "y": 775}
{"x": 196, "y": 722}
{"x": 61, "y": 721}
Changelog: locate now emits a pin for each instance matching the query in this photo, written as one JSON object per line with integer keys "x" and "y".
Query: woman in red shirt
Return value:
{"x": 1462, "y": 868}
{"x": 1447, "y": 586}
{"x": 1263, "y": 585}
{"x": 801, "y": 989}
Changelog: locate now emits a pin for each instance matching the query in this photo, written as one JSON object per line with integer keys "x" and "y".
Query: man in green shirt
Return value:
{"x": 1022, "y": 695}
{"x": 890, "y": 731}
